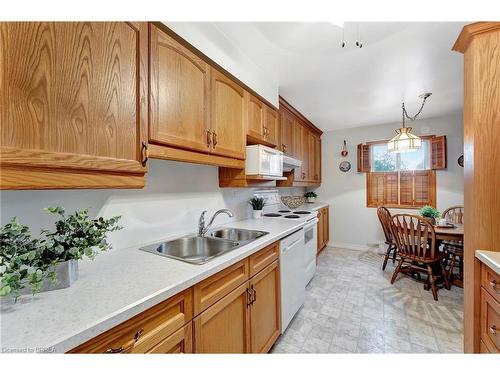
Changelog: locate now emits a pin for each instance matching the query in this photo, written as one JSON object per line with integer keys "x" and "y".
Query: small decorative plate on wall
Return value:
{"x": 460, "y": 161}
{"x": 345, "y": 166}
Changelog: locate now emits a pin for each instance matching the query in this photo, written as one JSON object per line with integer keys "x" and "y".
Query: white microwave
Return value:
{"x": 264, "y": 161}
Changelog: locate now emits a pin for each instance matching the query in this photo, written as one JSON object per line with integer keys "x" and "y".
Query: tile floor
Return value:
{"x": 351, "y": 307}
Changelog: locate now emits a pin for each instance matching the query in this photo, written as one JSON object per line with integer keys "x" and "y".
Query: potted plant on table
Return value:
{"x": 51, "y": 262}
{"x": 257, "y": 204}
{"x": 311, "y": 196}
{"x": 430, "y": 214}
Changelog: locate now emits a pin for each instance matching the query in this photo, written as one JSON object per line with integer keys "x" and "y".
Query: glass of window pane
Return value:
{"x": 382, "y": 159}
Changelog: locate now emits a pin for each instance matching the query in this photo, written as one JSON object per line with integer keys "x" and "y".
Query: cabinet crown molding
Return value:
{"x": 470, "y": 31}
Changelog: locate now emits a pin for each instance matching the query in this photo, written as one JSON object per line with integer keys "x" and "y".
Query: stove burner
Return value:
{"x": 292, "y": 217}
{"x": 272, "y": 215}
{"x": 284, "y": 211}
{"x": 302, "y": 212}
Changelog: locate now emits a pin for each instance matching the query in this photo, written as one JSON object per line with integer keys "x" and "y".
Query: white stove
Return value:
{"x": 297, "y": 253}
{"x": 274, "y": 209}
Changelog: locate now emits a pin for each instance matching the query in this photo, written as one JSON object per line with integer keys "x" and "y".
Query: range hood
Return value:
{"x": 290, "y": 163}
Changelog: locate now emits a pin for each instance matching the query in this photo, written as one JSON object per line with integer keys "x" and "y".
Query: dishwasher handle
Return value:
{"x": 286, "y": 247}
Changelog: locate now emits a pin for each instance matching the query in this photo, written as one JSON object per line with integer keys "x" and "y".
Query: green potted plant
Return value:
{"x": 257, "y": 204}
{"x": 430, "y": 213}
{"x": 50, "y": 262}
{"x": 311, "y": 196}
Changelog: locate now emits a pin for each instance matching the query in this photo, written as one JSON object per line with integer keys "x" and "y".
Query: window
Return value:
{"x": 405, "y": 180}
{"x": 384, "y": 161}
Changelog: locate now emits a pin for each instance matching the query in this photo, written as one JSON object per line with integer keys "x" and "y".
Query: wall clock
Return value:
{"x": 345, "y": 166}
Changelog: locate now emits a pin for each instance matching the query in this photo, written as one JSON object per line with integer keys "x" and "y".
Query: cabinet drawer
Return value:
{"x": 209, "y": 291}
{"x": 263, "y": 258}
{"x": 490, "y": 322}
{"x": 181, "y": 341}
{"x": 490, "y": 281}
{"x": 144, "y": 331}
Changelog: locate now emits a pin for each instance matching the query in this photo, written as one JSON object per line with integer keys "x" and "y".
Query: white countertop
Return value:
{"x": 311, "y": 206}
{"x": 490, "y": 258}
{"x": 114, "y": 287}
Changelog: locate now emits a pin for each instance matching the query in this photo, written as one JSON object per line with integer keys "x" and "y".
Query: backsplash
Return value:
{"x": 171, "y": 202}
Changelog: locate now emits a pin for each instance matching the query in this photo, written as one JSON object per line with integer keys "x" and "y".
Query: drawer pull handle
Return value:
{"x": 494, "y": 285}
{"x": 493, "y": 330}
{"x": 214, "y": 137}
{"x": 127, "y": 349}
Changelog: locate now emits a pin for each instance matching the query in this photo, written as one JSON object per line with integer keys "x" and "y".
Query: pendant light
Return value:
{"x": 405, "y": 141}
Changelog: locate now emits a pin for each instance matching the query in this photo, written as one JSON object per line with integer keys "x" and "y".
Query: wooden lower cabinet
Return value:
{"x": 265, "y": 311}
{"x": 237, "y": 310}
{"x": 225, "y": 327}
{"x": 179, "y": 342}
{"x": 323, "y": 227}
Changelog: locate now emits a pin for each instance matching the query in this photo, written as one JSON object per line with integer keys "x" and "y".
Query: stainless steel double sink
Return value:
{"x": 200, "y": 250}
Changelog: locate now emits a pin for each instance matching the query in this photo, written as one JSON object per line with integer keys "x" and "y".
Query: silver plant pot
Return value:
{"x": 67, "y": 274}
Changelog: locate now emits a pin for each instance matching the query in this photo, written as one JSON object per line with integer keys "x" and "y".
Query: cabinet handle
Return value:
{"x": 144, "y": 153}
{"x": 254, "y": 295}
{"x": 127, "y": 349}
{"x": 493, "y": 330}
{"x": 494, "y": 285}
{"x": 249, "y": 296}
{"x": 214, "y": 137}
{"x": 209, "y": 138}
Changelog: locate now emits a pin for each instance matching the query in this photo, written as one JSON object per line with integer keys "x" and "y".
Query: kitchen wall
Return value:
{"x": 171, "y": 202}
{"x": 354, "y": 225}
{"x": 210, "y": 40}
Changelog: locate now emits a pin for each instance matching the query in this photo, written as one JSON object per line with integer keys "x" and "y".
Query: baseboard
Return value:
{"x": 351, "y": 246}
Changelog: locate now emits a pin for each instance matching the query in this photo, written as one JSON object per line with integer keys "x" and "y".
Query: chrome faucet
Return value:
{"x": 202, "y": 229}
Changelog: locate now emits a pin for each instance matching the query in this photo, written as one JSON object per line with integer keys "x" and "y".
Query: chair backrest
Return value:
{"x": 384, "y": 217}
{"x": 454, "y": 214}
{"x": 414, "y": 236}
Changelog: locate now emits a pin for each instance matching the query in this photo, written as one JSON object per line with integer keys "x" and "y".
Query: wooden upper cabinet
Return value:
{"x": 256, "y": 115}
{"x": 305, "y": 155}
{"x": 228, "y": 116}
{"x": 438, "y": 152}
{"x": 315, "y": 157}
{"x": 271, "y": 126}
{"x": 179, "y": 95}
{"x": 74, "y": 104}
{"x": 287, "y": 132}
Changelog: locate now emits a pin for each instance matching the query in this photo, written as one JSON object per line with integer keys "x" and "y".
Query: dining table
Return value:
{"x": 451, "y": 234}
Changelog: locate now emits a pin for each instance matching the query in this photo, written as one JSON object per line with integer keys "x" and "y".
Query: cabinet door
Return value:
{"x": 178, "y": 342}
{"x": 179, "y": 95}
{"x": 255, "y": 120}
{"x": 326, "y": 226}
{"x": 228, "y": 117}
{"x": 304, "y": 154}
{"x": 314, "y": 158}
{"x": 320, "y": 231}
{"x": 271, "y": 126}
{"x": 287, "y": 132}
{"x": 74, "y": 104}
{"x": 225, "y": 327}
{"x": 265, "y": 313}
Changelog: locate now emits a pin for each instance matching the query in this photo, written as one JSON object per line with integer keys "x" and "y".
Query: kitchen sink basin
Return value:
{"x": 195, "y": 249}
{"x": 235, "y": 234}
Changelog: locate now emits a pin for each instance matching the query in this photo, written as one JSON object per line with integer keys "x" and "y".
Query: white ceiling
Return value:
{"x": 348, "y": 87}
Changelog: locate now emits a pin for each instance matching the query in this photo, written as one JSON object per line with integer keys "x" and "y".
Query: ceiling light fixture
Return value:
{"x": 358, "y": 43}
{"x": 405, "y": 141}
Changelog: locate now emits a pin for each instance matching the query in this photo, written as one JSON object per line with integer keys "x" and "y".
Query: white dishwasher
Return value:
{"x": 292, "y": 276}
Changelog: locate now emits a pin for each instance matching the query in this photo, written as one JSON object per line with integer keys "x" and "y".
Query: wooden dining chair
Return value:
{"x": 384, "y": 217}
{"x": 416, "y": 243}
{"x": 454, "y": 249}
